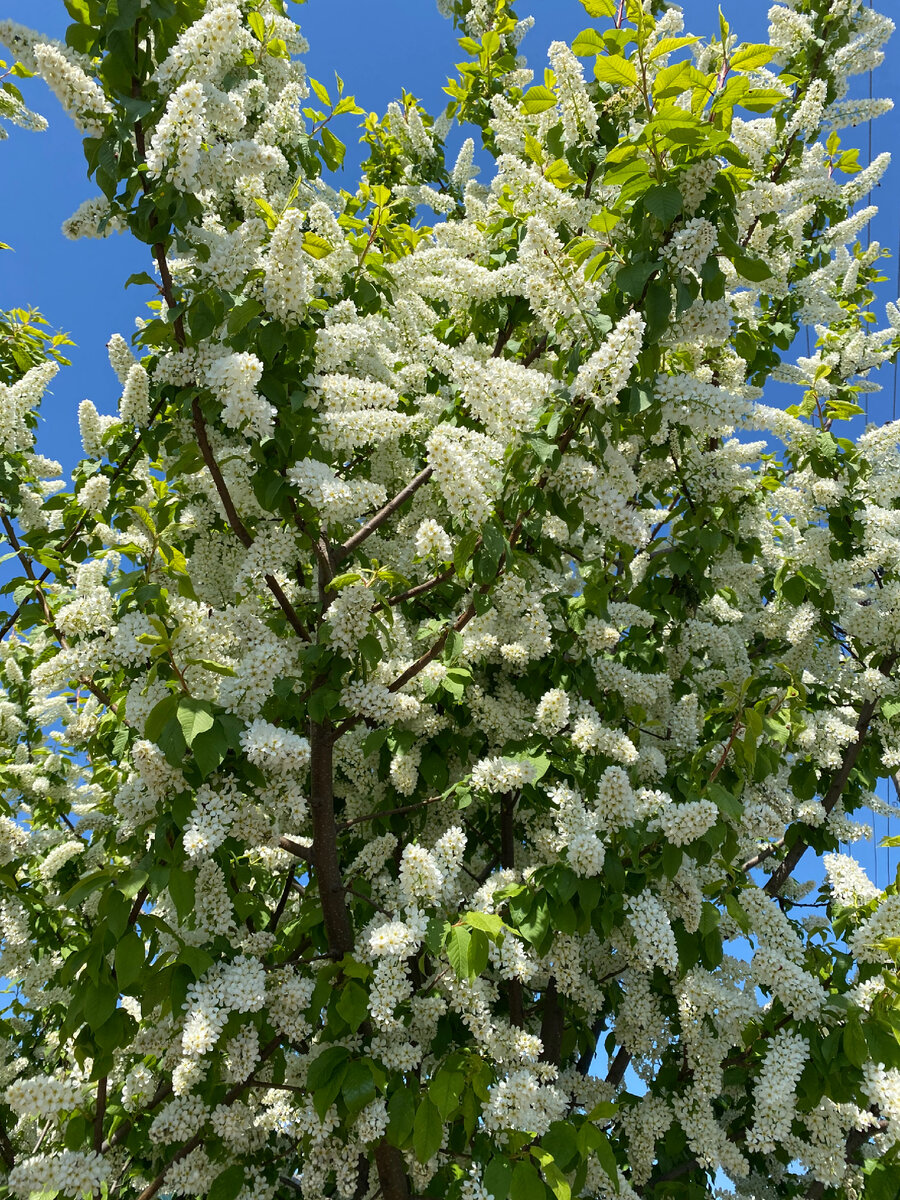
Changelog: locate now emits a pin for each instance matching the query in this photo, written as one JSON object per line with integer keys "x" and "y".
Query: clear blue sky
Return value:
{"x": 377, "y": 49}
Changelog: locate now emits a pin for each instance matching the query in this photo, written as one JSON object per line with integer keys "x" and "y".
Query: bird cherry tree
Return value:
{"x": 420, "y": 713}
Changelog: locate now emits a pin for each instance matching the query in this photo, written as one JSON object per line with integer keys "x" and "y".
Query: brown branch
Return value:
{"x": 388, "y": 812}
{"x": 6, "y": 1150}
{"x": 138, "y": 904}
{"x": 304, "y": 852}
{"x": 736, "y": 729}
{"x": 234, "y": 520}
{"x": 421, "y": 588}
{"x": 100, "y": 1113}
{"x": 391, "y": 1172}
{"x": 551, "y": 1024}
{"x": 325, "y": 857}
{"x": 618, "y": 1067}
{"x": 282, "y": 903}
{"x": 536, "y": 352}
{"x": 383, "y": 514}
{"x": 162, "y": 1093}
{"x": 761, "y": 857}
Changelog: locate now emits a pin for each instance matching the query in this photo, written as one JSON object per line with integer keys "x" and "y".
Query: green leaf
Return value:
{"x": 538, "y": 100}
{"x": 604, "y": 1152}
{"x": 445, "y": 1090}
{"x": 194, "y": 717}
{"x": 497, "y": 1177}
{"x": 353, "y": 1003}
{"x": 615, "y": 69}
{"x": 464, "y": 549}
{"x": 458, "y": 950}
{"x": 632, "y": 277}
{"x": 854, "y": 1043}
{"x": 750, "y": 267}
{"x": 598, "y": 8}
{"x": 725, "y": 801}
{"x": 737, "y": 912}
{"x": 333, "y": 149}
{"x": 159, "y": 716}
{"x": 328, "y": 1063}
{"x": 428, "y": 1130}
{"x": 229, "y": 1182}
{"x": 588, "y": 42}
{"x": 670, "y": 44}
{"x": 316, "y": 246}
{"x": 131, "y": 882}
{"x": 478, "y": 953}
{"x": 664, "y": 201}
{"x": 526, "y": 1183}
{"x": 489, "y": 922}
{"x": 210, "y": 748}
{"x": 358, "y": 1087}
{"x": 321, "y": 91}
{"x": 401, "y": 1115}
{"x": 129, "y": 960}
{"x": 258, "y": 26}
{"x": 751, "y": 56}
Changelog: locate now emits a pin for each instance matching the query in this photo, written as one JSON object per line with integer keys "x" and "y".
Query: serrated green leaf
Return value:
{"x": 612, "y": 68}
{"x": 538, "y": 100}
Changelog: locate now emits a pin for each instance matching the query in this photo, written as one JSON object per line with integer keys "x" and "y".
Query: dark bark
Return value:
{"x": 551, "y": 1024}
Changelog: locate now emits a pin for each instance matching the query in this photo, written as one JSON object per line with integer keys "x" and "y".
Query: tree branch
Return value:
{"x": 242, "y": 532}
{"x": 388, "y": 812}
{"x": 383, "y": 514}
{"x": 325, "y": 857}
{"x": 100, "y": 1114}
{"x": 618, "y": 1067}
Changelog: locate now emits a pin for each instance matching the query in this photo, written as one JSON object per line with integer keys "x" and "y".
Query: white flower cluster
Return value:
{"x": 69, "y": 1171}
{"x": 433, "y": 541}
{"x": 287, "y": 275}
{"x": 774, "y": 1098}
{"x": 653, "y": 935}
{"x": 684, "y": 823}
{"x": 134, "y": 407}
{"x": 79, "y": 95}
{"x": 579, "y": 117}
{"x": 464, "y": 465}
{"x": 692, "y": 245}
{"x": 579, "y": 831}
{"x": 607, "y": 370}
{"x": 521, "y": 1102}
{"x": 503, "y": 774}
{"x": 337, "y": 499}
{"x": 17, "y": 401}
{"x": 552, "y": 713}
{"x": 348, "y": 617}
{"x": 174, "y": 149}
{"x": 227, "y": 987}
{"x": 276, "y": 751}
{"x": 234, "y": 379}
{"x": 42, "y": 1096}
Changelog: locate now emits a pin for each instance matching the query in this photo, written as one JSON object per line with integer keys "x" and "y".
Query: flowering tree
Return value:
{"x": 414, "y": 718}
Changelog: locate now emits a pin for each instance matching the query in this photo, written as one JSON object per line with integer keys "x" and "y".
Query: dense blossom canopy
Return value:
{"x": 414, "y": 718}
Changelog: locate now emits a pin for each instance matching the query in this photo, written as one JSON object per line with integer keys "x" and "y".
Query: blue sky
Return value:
{"x": 377, "y": 49}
